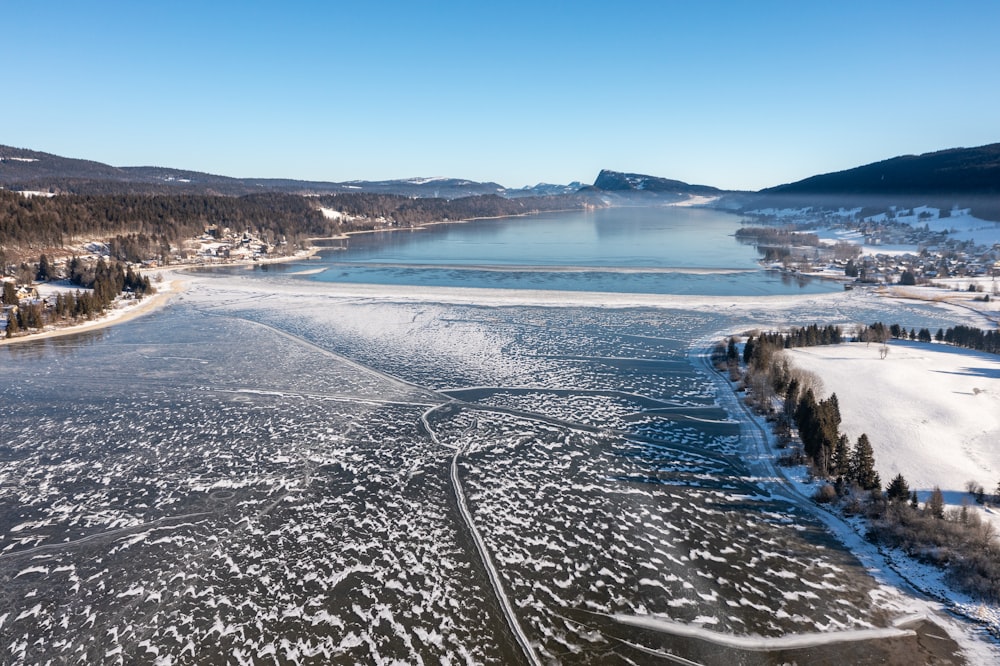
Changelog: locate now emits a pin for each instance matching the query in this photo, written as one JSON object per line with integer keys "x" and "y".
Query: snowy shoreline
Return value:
{"x": 964, "y": 307}
{"x": 168, "y": 283}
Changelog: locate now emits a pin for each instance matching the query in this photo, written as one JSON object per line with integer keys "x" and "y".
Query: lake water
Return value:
{"x": 661, "y": 250}
{"x": 275, "y": 466}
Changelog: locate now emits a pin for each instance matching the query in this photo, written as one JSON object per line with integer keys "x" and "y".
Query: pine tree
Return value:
{"x": 807, "y": 421}
{"x": 45, "y": 271}
{"x": 842, "y": 457}
{"x": 31, "y": 316}
{"x": 830, "y": 421}
{"x": 819, "y": 428}
{"x": 898, "y": 490}
{"x": 12, "y": 324}
{"x": 9, "y": 294}
{"x": 748, "y": 350}
{"x": 863, "y": 465}
{"x": 791, "y": 398}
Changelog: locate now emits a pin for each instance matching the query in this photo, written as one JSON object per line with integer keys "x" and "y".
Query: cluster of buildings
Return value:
{"x": 916, "y": 243}
{"x": 14, "y": 297}
{"x": 223, "y": 245}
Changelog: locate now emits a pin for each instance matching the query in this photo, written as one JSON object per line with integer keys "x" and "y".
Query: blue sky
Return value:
{"x": 734, "y": 94}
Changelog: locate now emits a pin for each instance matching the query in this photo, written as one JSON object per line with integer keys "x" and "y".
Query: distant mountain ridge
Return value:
{"x": 961, "y": 174}
{"x": 617, "y": 181}
{"x": 25, "y": 169}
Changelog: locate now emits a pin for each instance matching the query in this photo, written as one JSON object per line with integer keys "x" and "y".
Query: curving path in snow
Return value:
{"x": 484, "y": 555}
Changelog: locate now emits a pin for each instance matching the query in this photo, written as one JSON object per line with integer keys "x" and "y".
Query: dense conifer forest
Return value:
{"x": 59, "y": 221}
{"x": 142, "y": 226}
{"x": 409, "y": 211}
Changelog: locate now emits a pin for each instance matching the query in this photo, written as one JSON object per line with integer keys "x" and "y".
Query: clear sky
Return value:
{"x": 733, "y": 94}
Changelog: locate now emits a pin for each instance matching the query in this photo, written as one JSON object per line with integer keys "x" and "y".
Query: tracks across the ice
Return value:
{"x": 484, "y": 554}
{"x": 491, "y": 570}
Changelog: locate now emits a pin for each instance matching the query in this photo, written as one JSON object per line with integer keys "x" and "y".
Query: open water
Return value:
{"x": 662, "y": 250}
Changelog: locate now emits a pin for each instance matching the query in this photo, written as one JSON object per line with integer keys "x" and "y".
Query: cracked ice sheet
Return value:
{"x": 262, "y": 493}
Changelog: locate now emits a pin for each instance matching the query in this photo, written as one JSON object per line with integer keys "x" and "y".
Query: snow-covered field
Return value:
{"x": 931, "y": 411}
{"x": 960, "y": 225}
{"x": 932, "y": 414}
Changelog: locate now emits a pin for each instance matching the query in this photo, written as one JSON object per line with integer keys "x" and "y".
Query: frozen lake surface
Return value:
{"x": 279, "y": 470}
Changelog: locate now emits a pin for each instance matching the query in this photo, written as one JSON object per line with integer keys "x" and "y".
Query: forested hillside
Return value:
{"x": 957, "y": 177}
{"x": 408, "y": 211}
{"x": 56, "y": 222}
{"x": 957, "y": 170}
{"x": 148, "y": 223}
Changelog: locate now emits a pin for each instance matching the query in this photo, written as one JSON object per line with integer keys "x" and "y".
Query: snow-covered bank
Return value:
{"x": 958, "y": 297}
{"x": 167, "y": 282}
{"x": 932, "y": 411}
{"x": 906, "y": 587}
{"x": 931, "y": 414}
{"x": 119, "y": 312}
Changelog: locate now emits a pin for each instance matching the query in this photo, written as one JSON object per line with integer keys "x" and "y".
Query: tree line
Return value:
{"x": 824, "y": 447}
{"x": 408, "y": 211}
{"x": 967, "y": 337}
{"x": 61, "y": 220}
{"x": 767, "y": 373}
{"x": 776, "y": 236}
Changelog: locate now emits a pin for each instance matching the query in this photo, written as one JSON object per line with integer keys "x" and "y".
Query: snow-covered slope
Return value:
{"x": 932, "y": 411}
